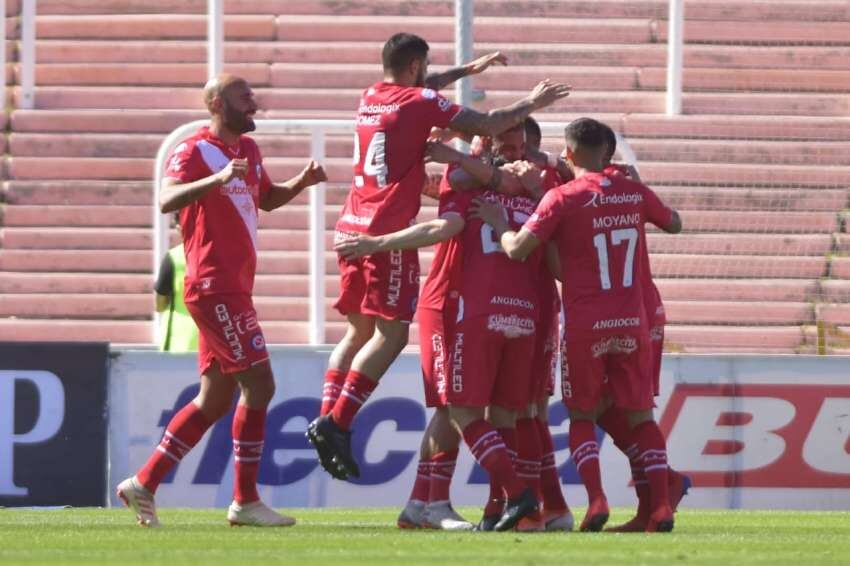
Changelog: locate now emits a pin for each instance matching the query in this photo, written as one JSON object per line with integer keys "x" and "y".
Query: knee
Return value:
{"x": 214, "y": 407}
{"x": 258, "y": 388}
{"x": 639, "y": 417}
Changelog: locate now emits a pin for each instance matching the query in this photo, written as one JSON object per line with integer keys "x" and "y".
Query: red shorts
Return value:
{"x": 487, "y": 367}
{"x": 619, "y": 366}
{"x": 545, "y": 361}
{"x": 433, "y": 354}
{"x": 385, "y": 284}
{"x": 228, "y": 332}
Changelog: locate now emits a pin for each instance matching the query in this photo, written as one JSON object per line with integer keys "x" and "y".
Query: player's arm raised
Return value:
{"x": 174, "y": 195}
{"x": 472, "y": 172}
{"x": 416, "y": 236}
{"x": 439, "y": 81}
{"x": 517, "y": 245}
{"x": 497, "y": 121}
{"x": 282, "y": 193}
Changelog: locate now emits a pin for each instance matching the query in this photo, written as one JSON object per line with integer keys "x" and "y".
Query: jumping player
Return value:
{"x": 217, "y": 181}
{"x": 598, "y": 224}
{"x": 379, "y": 292}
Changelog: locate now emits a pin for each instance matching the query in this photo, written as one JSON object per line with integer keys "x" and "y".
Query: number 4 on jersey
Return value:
{"x": 375, "y": 162}
{"x": 629, "y": 235}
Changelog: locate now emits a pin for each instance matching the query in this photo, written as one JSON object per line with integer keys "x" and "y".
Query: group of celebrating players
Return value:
{"x": 511, "y": 221}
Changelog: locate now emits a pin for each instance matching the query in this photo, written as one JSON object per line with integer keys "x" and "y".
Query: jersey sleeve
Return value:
{"x": 436, "y": 109}
{"x": 185, "y": 164}
{"x": 546, "y": 217}
{"x": 656, "y": 211}
{"x": 454, "y": 202}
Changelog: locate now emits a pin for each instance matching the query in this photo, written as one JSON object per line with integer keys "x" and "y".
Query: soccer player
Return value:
{"x": 379, "y": 292}
{"x": 598, "y": 222}
{"x": 429, "y": 503}
{"x": 217, "y": 181}
{"x": 614, "y": 420}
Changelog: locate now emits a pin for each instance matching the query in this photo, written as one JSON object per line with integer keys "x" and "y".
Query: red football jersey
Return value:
{"x": 598, "y": 224}
{"x": 393, "y": 123}
{"x": 220, "y": 229}
{"x": 445, "y": 273}
{"x": 494, "y": 284}
{"x": 651, "y": 296}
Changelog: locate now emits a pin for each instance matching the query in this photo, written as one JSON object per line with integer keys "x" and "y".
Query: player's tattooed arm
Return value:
{"x": 496, "y": 121}
{"x": 473, "y": 172}
{"x": 174, "y": 195}
{"x": 411, "y": 238}
{"x": 439, "y": 81}
{"x": 517, "y": 245}
{"x": 282, "y": 193}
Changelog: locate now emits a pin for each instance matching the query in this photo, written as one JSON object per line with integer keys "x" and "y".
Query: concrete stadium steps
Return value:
{"x": 296, "y": 263}
{"x": 77, "y": 283}
{"x": 580, "y": 101}
{"x": 342, "y": 27}
{"x": 741, "y": 338}
{"x": 139, "y": 306}
{"x": 632, "y": 126}
{"x": 41, "y": 238}
{"x": 742, "y": 198}
{"x": 654, "y": 173}
{"x": 773, "y": 60}
{"x": 145, "y": 145}
{"x": 297, "y": 75}
{"x": 78, "y": 193}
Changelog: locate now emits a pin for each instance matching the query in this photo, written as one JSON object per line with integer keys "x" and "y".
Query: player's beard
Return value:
{"x": 237, "y": 121}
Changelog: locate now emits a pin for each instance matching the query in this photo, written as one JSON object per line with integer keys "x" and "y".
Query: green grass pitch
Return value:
{"x": 369, "y": 536}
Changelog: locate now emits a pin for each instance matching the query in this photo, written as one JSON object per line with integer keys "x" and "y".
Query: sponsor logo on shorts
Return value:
{"x": 512, "y": 302}
{"x": 258, "y": 342}
{"x": 614, "y": 345}
{"x": 601, "y": 199}
{"x": 356, "y": 220}
{"x": 610, "y": 323}
{"x": 439, "y": 362}
{"x": 396, "y": 269}
{"x": 457, "y": 363}
{"x": 511, "y": 326}
{"x": 229, "y": 329}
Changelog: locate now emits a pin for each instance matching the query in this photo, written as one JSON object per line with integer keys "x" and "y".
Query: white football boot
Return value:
{"x": 256, "y": 514}
{"x": 441, "y": 515}
{"x": 140, "y": 500}
{"x": 412, "y": 516}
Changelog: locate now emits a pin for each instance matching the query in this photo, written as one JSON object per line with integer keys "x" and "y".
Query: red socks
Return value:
{"x": 442, "y": 470}
{"x": 615, "y": 422}
{"x": 529, "y": 453}
{"x": 249, "y": 426}
{"x": 183, "y": 432}
{"x": 354, "y": 393}
{"x": 334, "y": 379}
{"x": 550, "y": 483}
{"x": 653, "y": 458}
{"x": 422, "y": 484}
{"x": 585, "y": 453}
{"x": 488, "y": 448}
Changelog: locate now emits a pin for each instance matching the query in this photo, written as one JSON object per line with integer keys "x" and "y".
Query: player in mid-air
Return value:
{"x": 429, "y": 504}
{"x": 379, "y": 292}
{"x": 597, "y": 222}
{"x": 217, "y": 181}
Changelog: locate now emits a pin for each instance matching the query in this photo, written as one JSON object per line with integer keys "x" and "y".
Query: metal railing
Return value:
{"x": 317, "y": 129}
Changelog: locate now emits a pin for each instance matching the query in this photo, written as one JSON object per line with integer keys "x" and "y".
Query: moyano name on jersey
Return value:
{"x": 617, "y": 221}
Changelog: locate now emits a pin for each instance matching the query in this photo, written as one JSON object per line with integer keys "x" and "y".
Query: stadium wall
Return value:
{"x": 753, "y": 432}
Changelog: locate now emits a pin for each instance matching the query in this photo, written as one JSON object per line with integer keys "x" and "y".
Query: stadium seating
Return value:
{"x": 759, "y": 162}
